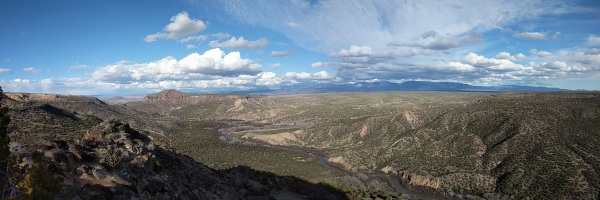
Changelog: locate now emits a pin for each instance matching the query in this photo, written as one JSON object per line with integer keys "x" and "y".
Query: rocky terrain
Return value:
{"x": 109, "y": 159}
{"x": 451, "y": 145}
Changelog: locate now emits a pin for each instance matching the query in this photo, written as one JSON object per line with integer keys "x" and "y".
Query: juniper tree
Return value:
{"x": 4, "y": 149}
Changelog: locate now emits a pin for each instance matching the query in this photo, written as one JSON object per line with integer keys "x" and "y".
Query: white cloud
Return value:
{"x": 504, "y": 55}
{"x": 431, "y": 40}
{"x": 212, "y": 83}
{"x": 281, "y": 53}
{"x": 79, "y": 67}
{"x": 531, "y": 35}
{"x": 275, "y": 65}
{"x": 181, "y": 25}
{"x": 539, "y": 53}
{"x": 337, "y": 24}
{"x": 234, "y": 43}
{"x": 79, "y": 86}
{"x": 558, "y": 65}
{"x": 190, "y": 46}
{"x": 491, "y": 63}
{"x": 4, "y": 70}
{"x": 7, "y": 60}
{"x": 458, "y": 66}
{"x": 193, "y": 66}
{"x": 582, "y": 58}
{"x": 194, "y": 38}
{"x": 32, "y": 70}
{"x": 294, "y": 75}
{"x": 318, "y": 76}
{"x": 544, "y": 53}
{"x": 221, "y": 36}
{"x": 593, "y": 40}
{"x": 317, "y": 64}
{"x": 354, "y": 51}
{"x": 533, "y": 51}
{"x": 507, "y": 56}
{"x": 520, "y": 56}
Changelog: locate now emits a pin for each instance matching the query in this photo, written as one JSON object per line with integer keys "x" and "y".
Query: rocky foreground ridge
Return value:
{"x": 114, "y": 161}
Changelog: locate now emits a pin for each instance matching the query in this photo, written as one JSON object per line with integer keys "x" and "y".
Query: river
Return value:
{"x": 320, "y": 157}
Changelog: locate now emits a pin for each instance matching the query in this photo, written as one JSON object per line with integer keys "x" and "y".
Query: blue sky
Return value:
{"x": 138, "y": 47}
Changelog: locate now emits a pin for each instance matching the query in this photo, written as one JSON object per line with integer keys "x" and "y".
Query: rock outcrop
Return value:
{"x": 166, "y": 96}
{"x": 114, "y": 161}
{"x": 418, "y": 180}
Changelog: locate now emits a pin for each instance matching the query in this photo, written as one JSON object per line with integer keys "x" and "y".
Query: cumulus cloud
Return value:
{"x": 490, "y": 63}
{"x": 281, "y": 53}
{"x": 531, "y": 35}
{"x": 4, "y": 70}
{"x": 507, "y": 56}
{"x": 77, "y": 86}
{"x": 181, "y": 25}
{"x": 193, "y": 66}
{"x": 539, "y": 53}
{"x": 32, "y": 70}
{"x": 317, "y": 64}
{"x": 458, "y": 66}
{"x": 190, "y": 46}
{"x": 593, "y": 40}
{"x": 520, "y": 56}
{"x": 234, "y": 43}
{"x": 584, "y": 58}
{"x": 354, "y": 51}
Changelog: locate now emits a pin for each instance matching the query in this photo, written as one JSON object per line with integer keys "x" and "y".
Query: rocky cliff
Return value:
{"x": 114, "y": 161}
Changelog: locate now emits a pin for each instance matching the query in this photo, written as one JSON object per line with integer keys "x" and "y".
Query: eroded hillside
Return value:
{"x": 510, "y": 145}
{"x": 476, "y": 145}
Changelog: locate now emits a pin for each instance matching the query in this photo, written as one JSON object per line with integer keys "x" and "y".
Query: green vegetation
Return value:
{"x": 5, "y": 158}
{"x": 29, "y": 181}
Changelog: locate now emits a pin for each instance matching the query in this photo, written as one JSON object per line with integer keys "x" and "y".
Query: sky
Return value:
{"x": 139, "y": 47}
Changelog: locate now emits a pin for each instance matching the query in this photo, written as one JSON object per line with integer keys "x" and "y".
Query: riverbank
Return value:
{"x": 320, "y": 157}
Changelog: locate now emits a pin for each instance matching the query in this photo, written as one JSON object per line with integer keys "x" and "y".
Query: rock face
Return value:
{"x": 166, "y": 95}
{"x": 418, "y": 180}
{"x": 114, "y": 161}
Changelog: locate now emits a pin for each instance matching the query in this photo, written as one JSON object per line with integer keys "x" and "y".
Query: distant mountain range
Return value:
{"x": 406, "y": 86}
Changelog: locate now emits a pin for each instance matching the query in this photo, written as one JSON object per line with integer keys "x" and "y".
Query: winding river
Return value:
{"x": 321, "y": 158}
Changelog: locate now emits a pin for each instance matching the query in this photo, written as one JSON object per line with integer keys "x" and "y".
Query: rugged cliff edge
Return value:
{"x": 114, "y": 161}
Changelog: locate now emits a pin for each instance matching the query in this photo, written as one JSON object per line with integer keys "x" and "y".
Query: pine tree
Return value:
{"x": 39, "y": 182}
